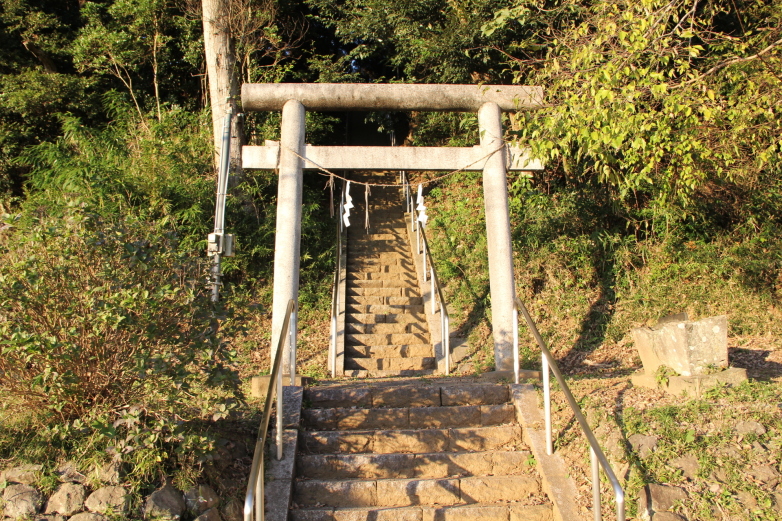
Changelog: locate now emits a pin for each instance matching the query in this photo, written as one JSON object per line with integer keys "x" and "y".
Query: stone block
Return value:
{"x": 658, "y": 498}
{"x": 337, "y": 441}
{"x": 378, "y": 514}
{"x": 485, "y": 438}
{"x": 24, "y": 474}
{"x": 489, "y": 489}
{"x": 459, "y": 416}
{"x": 453, "y": 464}
{"x": 531, "y": 513}
{"x": 696, "y": 385}
{"x": 67, "y": 500}
{"x": 497, "y": 414}
{"x": 466, "y": 513}
{"x": 511, "y": 463}
{"x": 21, "y": 501}
{"x": 689, "y": 348}
{"x": 693, "y": 386}
{"x": 336, "y": 493}
{"x": 406, "y": 396}
{"x": 338, "y": 397}
{"x": 406, "y": 492}
{"x": 320, "y": 514}
{"x": 429, "y": 440}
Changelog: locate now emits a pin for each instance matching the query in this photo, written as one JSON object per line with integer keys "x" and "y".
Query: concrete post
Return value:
{"x": 287, "y": 240}
{"x": 495, "y": 195}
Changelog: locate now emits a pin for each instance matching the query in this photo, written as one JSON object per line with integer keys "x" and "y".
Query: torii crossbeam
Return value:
{"x": 291, "y": 156}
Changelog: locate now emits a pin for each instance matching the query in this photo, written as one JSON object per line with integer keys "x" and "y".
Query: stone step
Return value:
{"x": 358, "y": 339}
{"x": 408, "y": 395}
{"x": 379, "y": 352}
{"x": 374, "y": 236}
{"x": 384, "y": 301}
{"x": 377, "y": 267}
{"x": 383, "y": 292}
{"x": 474, "y": 512}
{"x": 459, "y": 439}
{"x": 388, "y": 318}
{"x": 391, "y": 364}
{"x": 379, "y": 373}
{"x": 397, "y": 229}
{"x": 353, "y": 327}
{"x": 376, "y": 309}
{"x": 440, "y": 417}
{"x": 426, "y": 465}
{"x": 375, "y": 275}
{"x": 358, "y": 249}
{"x": 407, "y": 282}
{"x": 370, "y": 260}
{"x": 408, "y": 492}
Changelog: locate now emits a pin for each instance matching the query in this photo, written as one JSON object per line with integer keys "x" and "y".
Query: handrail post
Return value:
{"x": 446, "y": 339}
{"x": 279, "y": 416}
{"x": 595, "y": 485}
{"x": 515, "y": 344}
{"x": 294, "y": 326}
{"x": 547, "y": 404}
{"x": 431, "y": 277}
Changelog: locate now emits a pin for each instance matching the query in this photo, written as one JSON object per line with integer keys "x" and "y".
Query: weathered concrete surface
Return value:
{"x": 280, "y": 473}
{"x": 559, "y": 486}
{"x": 693, "y": 386}
{"x": 389, "y": 158}
{"x": 287, "y": 239}
{"x": 389, "y": 96}
{"x": 689, "y": 348}
{"x": 495, "y": 198}
{"x": 260, "y": 384}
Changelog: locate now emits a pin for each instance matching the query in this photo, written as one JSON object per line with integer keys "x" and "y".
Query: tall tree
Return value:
{"x": 222, "y": 69}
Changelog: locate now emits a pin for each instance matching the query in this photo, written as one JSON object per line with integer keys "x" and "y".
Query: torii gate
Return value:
{"x": 291, "y": 156}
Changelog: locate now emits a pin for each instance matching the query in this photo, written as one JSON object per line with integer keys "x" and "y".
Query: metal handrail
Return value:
{"x": 254, "y": 499}
{"x": 445, "y": 319}
{"x": 335, "y": 290}
{"x": 595, "y": 452}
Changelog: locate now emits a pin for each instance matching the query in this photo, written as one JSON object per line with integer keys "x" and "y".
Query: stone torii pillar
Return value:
{"x": 489, "y": 101}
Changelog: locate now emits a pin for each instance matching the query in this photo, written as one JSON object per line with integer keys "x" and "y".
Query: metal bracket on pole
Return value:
{"x": 220, "y": 244}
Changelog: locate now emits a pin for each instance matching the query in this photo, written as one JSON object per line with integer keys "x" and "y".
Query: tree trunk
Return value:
{"x": 222, "y": 71}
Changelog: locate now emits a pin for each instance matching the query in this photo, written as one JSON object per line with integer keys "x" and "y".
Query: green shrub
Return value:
{"x": 97, "y": 315}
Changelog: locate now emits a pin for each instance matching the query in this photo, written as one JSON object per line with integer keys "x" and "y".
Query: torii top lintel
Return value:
{"x": 389, "y": 96}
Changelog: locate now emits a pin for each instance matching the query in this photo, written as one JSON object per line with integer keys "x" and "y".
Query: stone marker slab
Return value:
{"x": 688, "y": 347}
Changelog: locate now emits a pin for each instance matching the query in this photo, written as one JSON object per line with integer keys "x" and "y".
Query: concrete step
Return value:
{"x": 380, "y": 373}
{"x": 426, "y": 465}
{"x": 358, "y": 339}
{"x": 358, "y": 249}
{"x": 408, "y": 492}
{"x": 374, "y": 236}
{"x": 380, "y": 352}
{"x": 409, "y": 417}
{"x": 387, "y": 318}
{"x": 382, "y": 292}
{"x": 374, "y": 266}
{"x": 386, "y": 328}
{"x": 368, "y": 260}
{"x": 390, "y": 364}
{"x": 408, "y": 395}
{"x": 384, "y": 301}
{"x": 474, "y": 512}
{"x": 377, "y": 309}
{"x": 375, "y": 275}
{"x": 380, "y": 283}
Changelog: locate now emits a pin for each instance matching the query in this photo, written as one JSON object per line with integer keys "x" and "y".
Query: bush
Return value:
{"x": 96, "y": 315}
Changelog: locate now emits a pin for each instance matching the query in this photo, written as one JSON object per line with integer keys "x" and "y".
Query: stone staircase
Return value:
{"x": 386, "y": 333}
{"x": 423, "y": 450}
